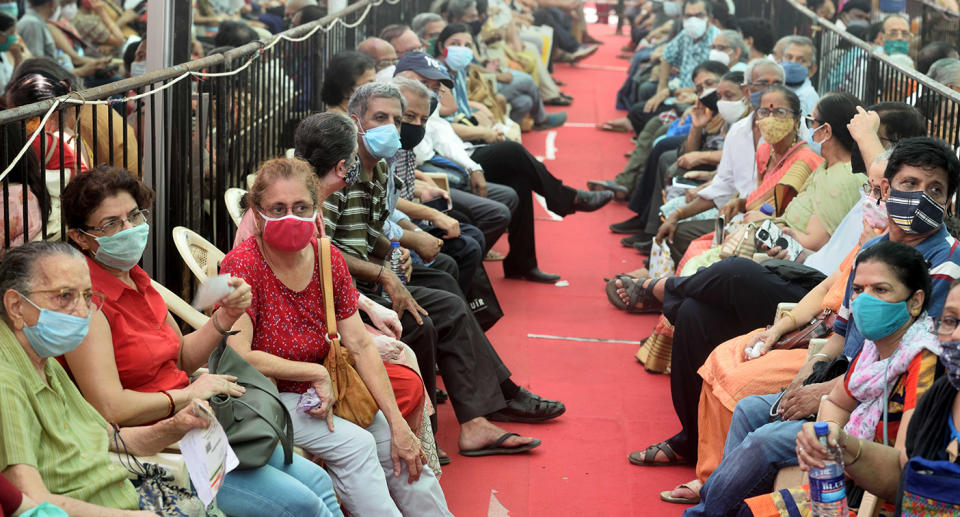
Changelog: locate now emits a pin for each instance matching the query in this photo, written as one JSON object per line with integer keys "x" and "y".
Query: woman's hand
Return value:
{"x": 768, "y": 338}
{"x": 324, "y": 388}
{"x": 754, "y": 216}
{"x": 405, "y": 446}
{"x": 384, "y": 319}
{"x": 192, "y": 416}
{"x": 730, "y": 209}
{"x": 210, "y": 384}
{"x": 234, "y": 304}
{"x": 810, "y": 452}
{"x": 865, "y": 124}
{"x": 390, "y": 349}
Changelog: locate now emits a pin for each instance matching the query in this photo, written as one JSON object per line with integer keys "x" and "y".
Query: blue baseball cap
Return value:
{"x": 426, "y": 66}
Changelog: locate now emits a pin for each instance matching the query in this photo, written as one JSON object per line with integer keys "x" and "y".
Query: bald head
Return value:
{"x": 381, "y": 52}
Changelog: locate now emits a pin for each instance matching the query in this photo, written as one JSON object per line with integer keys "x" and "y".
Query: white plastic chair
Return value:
{"x": 202, "y": 257}
{"x": 232, "y": 199}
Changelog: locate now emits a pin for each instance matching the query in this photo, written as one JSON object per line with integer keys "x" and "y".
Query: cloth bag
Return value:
{"x": 255, "y": 421}
{"x": 483, "y": 300}
{"x": 353, "y": 400}
{"x": 661, "y": 263}
{"x": 929, "y": 488}
{"x": 157, "y": 492}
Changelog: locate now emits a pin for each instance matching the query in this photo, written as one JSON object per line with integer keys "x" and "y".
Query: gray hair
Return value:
{"x": 455, "y": 9}
{"x": 323, "y": 139}
{"x": 360, "y": 100}
{"x": 803, "y": 41}
{"x": 735, "y": 40}
{"x": 945, "y": 71}
{"x": 405, "y": 84}
{"x": 18, "y": 268}
{"x": 762, "y": 62}
{"x": 420, "y": 22}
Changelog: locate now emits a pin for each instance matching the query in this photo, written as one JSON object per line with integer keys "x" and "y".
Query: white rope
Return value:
{"x": 69, "y": 99}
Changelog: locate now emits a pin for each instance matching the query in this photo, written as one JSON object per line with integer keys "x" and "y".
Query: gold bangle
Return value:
{"x": 679, "y": 213}
{"x": 792, "y": 318}
{"x": 216, "y": 324}
{"x": 173, "y": 406}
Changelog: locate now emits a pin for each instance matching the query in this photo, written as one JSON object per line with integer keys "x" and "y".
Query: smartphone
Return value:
{"x": 709, "y": 99}
{"x": 771, "y": 236}
{"x": 440, "y": 204}
{"x": 719, "y": 226}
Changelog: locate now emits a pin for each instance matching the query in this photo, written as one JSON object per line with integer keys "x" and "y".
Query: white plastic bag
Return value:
{"x": 661, "y": 263}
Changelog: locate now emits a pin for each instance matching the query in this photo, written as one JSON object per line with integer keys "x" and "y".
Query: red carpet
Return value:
{"x": 613, "y": 405}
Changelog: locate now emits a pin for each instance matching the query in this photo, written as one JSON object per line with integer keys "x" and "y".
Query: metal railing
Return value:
{"x": 194, "y": 137}
{"x": 848, "y": 64}
{"x": 936, "y": 23}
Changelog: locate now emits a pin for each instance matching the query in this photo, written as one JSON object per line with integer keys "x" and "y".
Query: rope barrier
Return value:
{"x": 68, "y": 98}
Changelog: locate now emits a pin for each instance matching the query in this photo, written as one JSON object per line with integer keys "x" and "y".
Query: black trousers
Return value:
{"x": 510, "y": 164}
{"x": 725, "y": 300}
{"x": 451, "y": 338}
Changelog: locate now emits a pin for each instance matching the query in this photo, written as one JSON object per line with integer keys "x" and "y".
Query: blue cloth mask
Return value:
{"x": 755, "y": 98}
{"x": 123, "y": 249}
{"x": 892, "y": 47}
{"x": 56, "y": 333}
{"x": 459, "y": 57}
{"x": 950, "y": 359}
{"x": 382, "y": 141}
{"x": 914, "y": 212}
{"x": 877, "y": 319}
{"x": 795, "y": 73}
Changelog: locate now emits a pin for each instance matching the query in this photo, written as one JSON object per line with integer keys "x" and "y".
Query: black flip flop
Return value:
{"x": 496, "y": 447}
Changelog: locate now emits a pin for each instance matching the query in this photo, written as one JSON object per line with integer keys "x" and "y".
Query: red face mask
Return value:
{"x": 288, "y": 233}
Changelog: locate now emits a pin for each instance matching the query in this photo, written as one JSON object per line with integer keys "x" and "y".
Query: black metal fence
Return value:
{"x": 933, "y": 22}
{"x": 191, "y": 139}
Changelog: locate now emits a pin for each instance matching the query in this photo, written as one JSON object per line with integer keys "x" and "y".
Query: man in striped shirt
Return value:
{"x": 437, "y": 324}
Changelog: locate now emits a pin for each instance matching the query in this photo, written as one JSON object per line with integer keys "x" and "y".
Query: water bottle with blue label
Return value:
{"x": 828, "y": 495}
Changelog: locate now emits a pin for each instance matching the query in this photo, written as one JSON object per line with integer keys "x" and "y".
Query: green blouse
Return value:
{"x": 828, "y": 193}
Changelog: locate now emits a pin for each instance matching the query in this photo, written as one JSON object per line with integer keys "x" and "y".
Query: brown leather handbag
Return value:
{"x": 820, "y": 326}
{"x": 353, "y": 400}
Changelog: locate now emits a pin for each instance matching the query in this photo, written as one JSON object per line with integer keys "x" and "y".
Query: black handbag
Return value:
{"x": 483, "y": 300}
{"x": 255, "y": 421}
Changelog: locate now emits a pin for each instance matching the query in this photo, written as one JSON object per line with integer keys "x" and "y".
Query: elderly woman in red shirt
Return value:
{"x": 133, "y": 365}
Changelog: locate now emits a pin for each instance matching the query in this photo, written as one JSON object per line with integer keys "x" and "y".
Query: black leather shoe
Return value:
{"x": 534, "y": 275}
{"x": 635, "y": 224}
{"x": 588, "y": 201}
{"x": 528, "y": 408}
{"x": 628, "y": 242}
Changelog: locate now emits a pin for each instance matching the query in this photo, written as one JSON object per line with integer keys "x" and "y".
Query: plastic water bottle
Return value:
{"x": 396, "y": 263}
{"x": 766, "y": 209}
{"x": 828, "y": 495}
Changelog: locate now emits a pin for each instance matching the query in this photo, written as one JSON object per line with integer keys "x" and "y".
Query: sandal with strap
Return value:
{"x": 528, "y": 408}
{"x": 648, "y": 456}
{"x": 611, "y": 290}
{"x": 694, "y": 488}
{"x": 642, "y": 299}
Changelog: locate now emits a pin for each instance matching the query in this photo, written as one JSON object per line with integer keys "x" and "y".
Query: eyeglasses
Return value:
{"x": 280, "y": 210}
{"x": 763, "y": 85}
{"x": 945, "y": 325}
{"x": 721, "y": 48}
{"x": 705, "y": 85}
{"x": 776, "y": 112}
{"x": 812, "y": 122}
{"x": 698, "y": 15}
{"x": 385, "y": 63}
{"x": 871, "y": 191}
{"x": 65, "y": 300}
{"x": 135, "y": 218}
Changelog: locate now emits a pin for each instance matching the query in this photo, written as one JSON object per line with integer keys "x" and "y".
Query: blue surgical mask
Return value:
{"x": 892, "y": 47}
{"x": 56, "y": 333}
{"x": 795, "y": 73}
{"x": 877, "y": 319}
{"x": 755, "y": 98}
{"x": 459, "y": 57}
{"x": 5, "y": 45}
{"x": 382, "y": 141}
{"x": 123, "y": 249}
{"x": 811, "y": 140}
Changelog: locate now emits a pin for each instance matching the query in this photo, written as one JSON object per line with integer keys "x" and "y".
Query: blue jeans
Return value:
{"x": 754, "y": 452}
{"x": 300, "y": 489}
